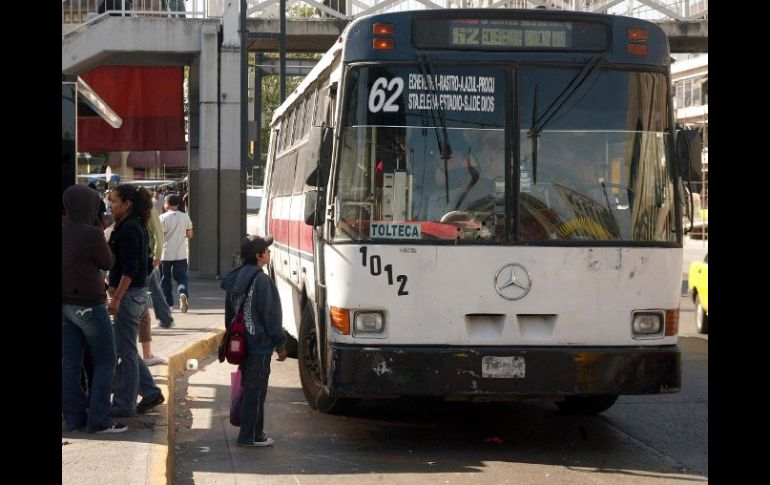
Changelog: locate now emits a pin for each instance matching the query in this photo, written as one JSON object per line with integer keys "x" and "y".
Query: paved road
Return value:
{"x": 642, "y": 439}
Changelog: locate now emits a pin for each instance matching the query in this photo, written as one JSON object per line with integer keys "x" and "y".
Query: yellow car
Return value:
{"x": 698, "y": 285}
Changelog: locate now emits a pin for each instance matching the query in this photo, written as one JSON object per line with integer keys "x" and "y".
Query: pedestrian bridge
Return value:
{"x": 313, "y": 26}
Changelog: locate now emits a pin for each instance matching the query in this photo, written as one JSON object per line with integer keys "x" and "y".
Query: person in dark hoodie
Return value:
{"x": 85, "y": 323}
{"x": 128, "y": 277}
{"x": 264, "y": 332}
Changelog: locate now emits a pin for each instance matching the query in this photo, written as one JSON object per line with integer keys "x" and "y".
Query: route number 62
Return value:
{"x": 380, "y": 89}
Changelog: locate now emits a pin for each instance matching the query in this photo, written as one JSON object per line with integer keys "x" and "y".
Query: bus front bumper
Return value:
{"x": 507, "y": 373}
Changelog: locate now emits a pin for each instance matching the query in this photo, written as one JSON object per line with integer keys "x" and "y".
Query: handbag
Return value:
{"x": 233, "y": 345}
{"x": 235, "y": 348}
{"x": 236, "y": 391}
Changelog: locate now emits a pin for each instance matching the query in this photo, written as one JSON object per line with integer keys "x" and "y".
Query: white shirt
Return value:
{"x": 175, "y": 224}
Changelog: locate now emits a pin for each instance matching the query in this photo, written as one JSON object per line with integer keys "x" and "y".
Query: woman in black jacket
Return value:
{"x": 128, "y": 276}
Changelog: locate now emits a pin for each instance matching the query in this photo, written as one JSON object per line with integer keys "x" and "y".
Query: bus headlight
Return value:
{"x": 369, "y": 322}
{"x": 647, "y": 324}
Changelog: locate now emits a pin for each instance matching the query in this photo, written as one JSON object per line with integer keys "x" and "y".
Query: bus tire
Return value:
{"x": 317, "y": 395}
{"x": 587, "y": 404}
{"x": 701, "y": 319}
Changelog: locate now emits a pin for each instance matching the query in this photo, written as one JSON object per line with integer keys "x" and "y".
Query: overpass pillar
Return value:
{"x": 204, "y": 156}
{"x": 231, "y": 182}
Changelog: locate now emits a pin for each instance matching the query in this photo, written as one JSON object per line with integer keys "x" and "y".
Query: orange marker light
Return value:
{"x": 637, "y": 49}
{"x": 383, "y": 44}
{"x": 340, "y": 319}
{"x": 672, "y": 322}
{"x": 637, "y": 34}
{"x": 383, "y": 29}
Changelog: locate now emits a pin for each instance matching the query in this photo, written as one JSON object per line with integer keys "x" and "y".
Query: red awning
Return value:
{"x": 143, "y": 159}
{"x": 173, "y": 158}
{"x": 149, "y": 99}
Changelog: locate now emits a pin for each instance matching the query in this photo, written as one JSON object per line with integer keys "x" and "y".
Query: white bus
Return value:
{"x": 480, "y": 205}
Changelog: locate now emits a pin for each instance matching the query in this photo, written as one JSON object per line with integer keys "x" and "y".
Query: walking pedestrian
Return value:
{"x": 177, "y": 228}
{"x": 160, "y": 306}
{"x": 264, "y": 333}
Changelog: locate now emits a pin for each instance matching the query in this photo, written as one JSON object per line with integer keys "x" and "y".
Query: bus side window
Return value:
{"x": 299, "y": 121}
{"x": 321, "y": 106}
{"x": 311, "y": 107}
{"x": 290, "y": 129}
{"x": 290, "y": 166}
{"x": 330, "y": 121}
{"x": 271, "y": 161}
{"x": 282, "y": 136}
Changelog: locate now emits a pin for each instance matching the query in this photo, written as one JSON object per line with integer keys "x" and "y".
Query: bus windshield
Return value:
{"x": 423, "y": 155}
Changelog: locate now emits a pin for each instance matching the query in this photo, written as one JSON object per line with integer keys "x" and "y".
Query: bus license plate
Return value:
{"x": 502, "y": 367}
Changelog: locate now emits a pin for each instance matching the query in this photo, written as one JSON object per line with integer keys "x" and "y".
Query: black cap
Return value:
{"x": 253, "y": 245}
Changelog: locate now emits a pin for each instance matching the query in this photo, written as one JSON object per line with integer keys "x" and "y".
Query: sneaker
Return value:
{"x": 169, "y": 325}
{"x": 145, "y": 404}
{"x": 183, "y": 303}
{"x": 265, "y": 441}
{"x": 154, "y": 360}
{"x": 114, "y": 428}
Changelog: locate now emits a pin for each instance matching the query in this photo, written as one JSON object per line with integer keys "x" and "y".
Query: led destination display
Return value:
{"x": 503, "y": 34}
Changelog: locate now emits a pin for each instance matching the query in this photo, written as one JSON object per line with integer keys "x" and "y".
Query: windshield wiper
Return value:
{"x": 538, "y": 124}
{"x": 474, "y": 172}
{"x": 443, "y": 143}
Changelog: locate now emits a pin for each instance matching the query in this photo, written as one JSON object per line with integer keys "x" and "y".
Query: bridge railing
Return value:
{"x": 656, "y": 10}
{"x": 76, "y": 14}
{"x": 79, "y": 13}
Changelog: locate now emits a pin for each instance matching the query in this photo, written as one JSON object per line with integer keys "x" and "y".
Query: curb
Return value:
{"x": 161, "y": 461}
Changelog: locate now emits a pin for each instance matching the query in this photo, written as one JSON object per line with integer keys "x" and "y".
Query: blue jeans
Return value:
{"x": 132, "y": 377}
{"x": 86, "y": 327}
{"x": 159, "y": 305}
{"x": 178, "y": 270}
{"x": 255, "y": 371}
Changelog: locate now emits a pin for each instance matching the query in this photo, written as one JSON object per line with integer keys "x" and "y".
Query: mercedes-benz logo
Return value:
{"x": 513, "y": 281}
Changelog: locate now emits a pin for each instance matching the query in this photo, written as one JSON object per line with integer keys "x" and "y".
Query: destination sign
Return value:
{"x": 509, "y": 36}
{"x": 504, "y": 34}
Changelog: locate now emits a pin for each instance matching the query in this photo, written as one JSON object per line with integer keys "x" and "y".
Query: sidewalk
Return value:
{"x": 140, "y": 455}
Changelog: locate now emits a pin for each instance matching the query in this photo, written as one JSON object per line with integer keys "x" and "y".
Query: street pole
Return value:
{"x": 257, "y": 110}
{"x": 282, "y": 49}
{"x": 244, "y": 115}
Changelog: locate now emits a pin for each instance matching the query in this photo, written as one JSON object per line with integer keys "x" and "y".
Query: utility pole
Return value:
{"x": 244, "y": 114}
{"x": 282, "y": 49}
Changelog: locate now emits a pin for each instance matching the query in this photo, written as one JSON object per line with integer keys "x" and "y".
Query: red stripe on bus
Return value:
{"x": 294, "y": 234}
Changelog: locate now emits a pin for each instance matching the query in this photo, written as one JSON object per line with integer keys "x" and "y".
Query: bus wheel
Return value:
{"x": 587, "y": 404}
{"x": 310, "y": 369}
{"x": 701, "y": 319}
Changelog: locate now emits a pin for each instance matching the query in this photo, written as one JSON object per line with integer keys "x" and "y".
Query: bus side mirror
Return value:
{"x": 320, "y": 155}
{"x": 314, "y": 208}
{"x": 689, "y": 148}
